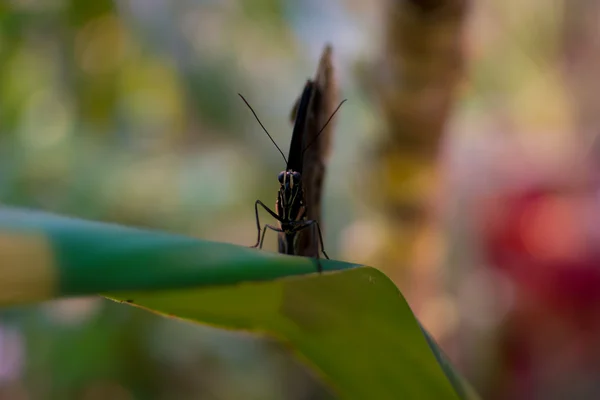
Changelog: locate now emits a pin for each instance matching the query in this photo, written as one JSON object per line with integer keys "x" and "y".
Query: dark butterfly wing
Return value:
{"x": 323, "y": 99}
{"x": 295, "y": 161}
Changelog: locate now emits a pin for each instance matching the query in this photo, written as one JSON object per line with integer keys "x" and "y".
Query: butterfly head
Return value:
{"x": 290, "y": 190}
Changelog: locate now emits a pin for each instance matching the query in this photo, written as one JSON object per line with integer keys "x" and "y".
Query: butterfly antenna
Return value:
{"x": 264, "y": 129}
{"x": 324, "y": 126}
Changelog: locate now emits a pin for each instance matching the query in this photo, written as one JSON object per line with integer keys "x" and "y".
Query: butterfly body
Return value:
{"x": 291, "y": 209}
{"x": 291, "y": 202}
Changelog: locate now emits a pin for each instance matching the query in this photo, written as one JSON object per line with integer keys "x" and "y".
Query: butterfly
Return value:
{"x": 298, "y": 204}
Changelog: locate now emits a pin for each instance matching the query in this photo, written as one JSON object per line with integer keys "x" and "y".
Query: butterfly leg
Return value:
{"x": 256, "y": 204}
{"x": 321, "y": 240}
{"x": 314, "y": 223}
{"x": 262, "y": 239}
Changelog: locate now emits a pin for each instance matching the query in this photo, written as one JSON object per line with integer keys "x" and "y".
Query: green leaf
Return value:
{"x": 350, "y": 324}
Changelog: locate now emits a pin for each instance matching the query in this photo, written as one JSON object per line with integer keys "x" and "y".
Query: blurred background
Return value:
{"x": 464, "y": 165}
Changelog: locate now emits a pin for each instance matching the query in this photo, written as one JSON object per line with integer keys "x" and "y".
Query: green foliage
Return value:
{"x": 352, "y": 327}
{"x": 351, "y": 323}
